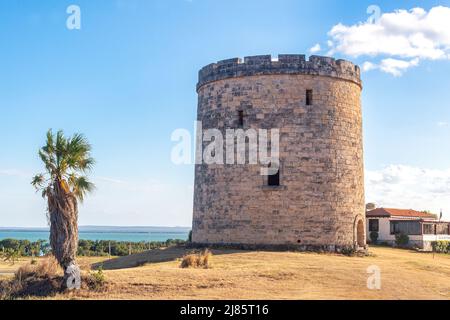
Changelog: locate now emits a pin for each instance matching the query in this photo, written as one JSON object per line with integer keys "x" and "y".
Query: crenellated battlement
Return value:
{"x": 285, "y": 64}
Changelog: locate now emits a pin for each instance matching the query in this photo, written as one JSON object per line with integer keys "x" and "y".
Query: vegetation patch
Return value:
{"x": 12, "y": 249}
{"x": 103, "y": 248}
{"x": 44, "y": 278}
{"x": 33, "y": 279}
{"x": 200, "y": 259}
{"x": 441, "y": 246}
{"x": 96, "y": 280}
{"x": 401, "y": 240}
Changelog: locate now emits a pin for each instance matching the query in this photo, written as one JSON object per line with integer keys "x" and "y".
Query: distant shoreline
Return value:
{"x": 94, "y": 227}
{"x": 101, "y": 229}
{"x": 131, "y": 234}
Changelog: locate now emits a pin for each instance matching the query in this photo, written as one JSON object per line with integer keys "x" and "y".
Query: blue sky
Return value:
{"x": 127, "y": 81}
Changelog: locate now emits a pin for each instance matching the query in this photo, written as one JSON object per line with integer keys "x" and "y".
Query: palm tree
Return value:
{"x": 64, "y": 184}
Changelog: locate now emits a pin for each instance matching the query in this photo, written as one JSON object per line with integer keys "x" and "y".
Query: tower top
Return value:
{"x": 285, "y": 64}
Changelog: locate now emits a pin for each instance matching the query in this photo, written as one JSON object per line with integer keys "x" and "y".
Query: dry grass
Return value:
{"x": 280, "y": 275}
{"x": 43, "y": 278}
{"x": 47, "y": 267}
{"x": 37, "y": 278}
{"x": 200, "y": 259}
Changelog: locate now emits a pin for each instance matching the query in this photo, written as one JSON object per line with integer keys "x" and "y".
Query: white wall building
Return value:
{"x": 421, "y": 228}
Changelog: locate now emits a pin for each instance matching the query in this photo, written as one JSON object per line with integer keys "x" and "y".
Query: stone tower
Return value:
{"x": 317, "y": 200}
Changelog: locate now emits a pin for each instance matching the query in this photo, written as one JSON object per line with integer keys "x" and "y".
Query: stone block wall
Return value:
{"x": 321, "y": 198}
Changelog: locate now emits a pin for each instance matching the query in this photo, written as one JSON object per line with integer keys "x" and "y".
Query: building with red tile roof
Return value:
{"x": 422, "y": 228}
{"x": 406, "y": 213}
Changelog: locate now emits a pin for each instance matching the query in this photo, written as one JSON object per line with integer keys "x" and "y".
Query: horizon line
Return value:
{"x": 98, "y": 226}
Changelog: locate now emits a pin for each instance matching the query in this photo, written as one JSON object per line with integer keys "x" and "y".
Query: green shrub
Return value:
{"x": 348, "y": 251}
{"x": 96, "y": 280}
{"x": 10, "y": 255}
{"x": 401, "y": 239}
{"x": 374, "y": 236}
{"x": 99, "y": 276}
{"x": 441, "y": 246}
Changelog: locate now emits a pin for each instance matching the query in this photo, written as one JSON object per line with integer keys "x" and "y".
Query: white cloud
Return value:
{"x": 316, "y": 48}
{"x": 407, "y": 187}
{"x": 397, "y": 67}
{"x": 442, "y": 124}
{"x": 367, "y": 66}
{"x": 402, "y": 38}
{"x": 393, "y": 66}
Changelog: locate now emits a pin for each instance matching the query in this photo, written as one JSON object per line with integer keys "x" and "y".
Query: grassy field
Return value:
{"x": 272, "y": 275}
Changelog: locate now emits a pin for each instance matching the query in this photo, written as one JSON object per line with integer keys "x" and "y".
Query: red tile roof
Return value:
{"x": 386, "y": 212}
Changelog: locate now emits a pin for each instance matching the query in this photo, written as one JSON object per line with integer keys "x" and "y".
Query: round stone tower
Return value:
{"x": 316, "y": 200}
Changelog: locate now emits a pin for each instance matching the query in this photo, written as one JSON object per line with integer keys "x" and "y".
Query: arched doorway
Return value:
{"x": 359, "y": 233}
{"x": 360, "y": 237}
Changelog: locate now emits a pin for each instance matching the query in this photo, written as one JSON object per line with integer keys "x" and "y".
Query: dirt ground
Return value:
{"x": 271, "y": 275}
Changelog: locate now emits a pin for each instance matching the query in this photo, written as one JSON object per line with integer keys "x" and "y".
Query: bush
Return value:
{"x": 348, "y": 251}
{"x": 197, "y": 260}
{"x": 47, "y": 268}
{"x": 41, "y": 279}
{"x": 45, "y": 278}
{"x": 10, "y": 255}
{"x": 374, "y": 236}
{"x": 441, "y": 246}
{"x": 401, "y": 239}
{"x": 190, "y": 237}
{"x": 97, "y": 280}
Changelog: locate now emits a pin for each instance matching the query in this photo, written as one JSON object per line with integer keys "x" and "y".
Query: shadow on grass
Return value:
{"x": 154, "y": 256}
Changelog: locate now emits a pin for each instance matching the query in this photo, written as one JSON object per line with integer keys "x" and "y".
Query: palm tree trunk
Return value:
{"x": 63, "y": 216}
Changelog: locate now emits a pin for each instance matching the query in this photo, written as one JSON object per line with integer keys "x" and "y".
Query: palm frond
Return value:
{"x": 81, "y": 186}
{"x": 60, "y": 149}
{"x": 49, "y": 148}
{"x": 78, "y": 153}
{"x": 48, "y": 161}
{"x": 85, "y": 165}
{"x": 38, "y": 181}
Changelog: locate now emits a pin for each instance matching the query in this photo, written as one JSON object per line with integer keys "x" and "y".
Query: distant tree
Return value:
{"x": 370, "y": 206}
{"x": 10, "y": 255}
{"x": 435, "y": 216}
{"x": 64, "y": 184}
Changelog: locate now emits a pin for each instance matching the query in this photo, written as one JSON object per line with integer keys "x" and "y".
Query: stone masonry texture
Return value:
{"x": 320, "y": 202}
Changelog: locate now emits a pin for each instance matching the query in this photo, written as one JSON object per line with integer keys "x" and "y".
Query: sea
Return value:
{"x": 129, "y": 234}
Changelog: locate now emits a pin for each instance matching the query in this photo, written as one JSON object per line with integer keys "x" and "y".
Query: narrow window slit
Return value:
{"x": 241, "y": 118}
{"x": 274, "y": 179}
{"x": 309, "y": 97}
